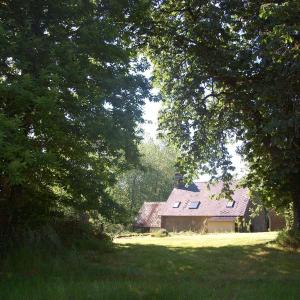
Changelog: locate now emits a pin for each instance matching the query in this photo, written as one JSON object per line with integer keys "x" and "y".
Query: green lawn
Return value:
{"x": 220, "y": 266}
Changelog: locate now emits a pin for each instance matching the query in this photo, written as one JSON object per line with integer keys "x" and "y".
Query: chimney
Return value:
{"x": 178, "y": 180}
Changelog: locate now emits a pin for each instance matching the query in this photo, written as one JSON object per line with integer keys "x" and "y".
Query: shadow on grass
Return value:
{"x": 158, "y": 272}
{"x": 210, "y": 263}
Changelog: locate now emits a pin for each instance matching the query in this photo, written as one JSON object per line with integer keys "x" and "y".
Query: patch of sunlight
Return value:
{"x": 284, "y": 272}
{"x": 184, "y": 268}
{"x": 198, "y": 241}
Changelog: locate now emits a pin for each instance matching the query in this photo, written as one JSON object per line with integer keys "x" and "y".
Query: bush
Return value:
{"x": 160, "y": 233}
{"x": 82, "y": 236}
{"x": 131, "y": 234}
{"x": 58, "y": 235}
{"x": 289, "y": 239}
{"x": 114, "y": 229}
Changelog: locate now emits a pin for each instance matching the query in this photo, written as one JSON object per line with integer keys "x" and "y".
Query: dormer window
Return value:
{"x": 194, "y": 204}
{"x": 176, "y": 204}
{"x": 230, "y": 204}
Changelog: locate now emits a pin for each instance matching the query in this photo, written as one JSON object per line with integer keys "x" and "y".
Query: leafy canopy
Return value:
{"x": 71, "y": 96}
{"x": 229, "y": 71}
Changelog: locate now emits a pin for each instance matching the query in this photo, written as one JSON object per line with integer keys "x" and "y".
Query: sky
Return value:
{"x": 151, "y": 112}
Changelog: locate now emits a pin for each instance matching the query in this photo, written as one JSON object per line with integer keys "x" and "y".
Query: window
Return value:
{"x": 194, "y": 204}
{"x": 176, "y": 204}
{"x": 230, "y": 204}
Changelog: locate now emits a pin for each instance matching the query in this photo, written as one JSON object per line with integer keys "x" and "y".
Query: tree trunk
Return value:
{"x": 132, "y": 204}
{"x": 296, "y": 206}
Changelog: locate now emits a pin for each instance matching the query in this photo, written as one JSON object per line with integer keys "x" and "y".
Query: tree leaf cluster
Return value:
{"x": 229, "y": 71}
{"x": 151, "y": 181}
{"x": 71, "y": 97}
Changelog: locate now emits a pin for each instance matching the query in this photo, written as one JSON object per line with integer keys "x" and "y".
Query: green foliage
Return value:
{"x": 288, "y": 214}
{"x": 73, "y": 233}
{"x": 71, "y": 97}
{"x": 289, "y": 239}
{"x": 152, "y": 180}
{"x": 229, "y": 71}
{"x": 56, "y": 236}
{"x": 131, "y": 234}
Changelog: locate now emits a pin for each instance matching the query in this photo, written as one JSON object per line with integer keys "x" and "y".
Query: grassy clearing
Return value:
{"x": 221, "y": 266}
{"x": 198, "y": 240}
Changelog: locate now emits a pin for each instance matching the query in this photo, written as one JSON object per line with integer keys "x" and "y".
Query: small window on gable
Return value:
{"x": 176, "y": 204}
{"x": 194, "y": 204}
{"x": 230, "y": 204}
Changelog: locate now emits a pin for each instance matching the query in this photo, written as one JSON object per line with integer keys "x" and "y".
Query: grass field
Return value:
{"x": 220, "y": 266}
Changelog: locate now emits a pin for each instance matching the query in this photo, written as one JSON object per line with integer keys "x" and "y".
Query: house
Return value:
{"x": 149, "y": 218}
{"x": 192, "y": 208}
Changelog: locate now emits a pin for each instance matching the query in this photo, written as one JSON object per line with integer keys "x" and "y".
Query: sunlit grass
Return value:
{"x": 216, "y": 266}
{"x": 198, "y": 240}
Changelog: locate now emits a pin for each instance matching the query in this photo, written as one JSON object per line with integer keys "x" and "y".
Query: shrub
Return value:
{"x": 160, "y": 233}
{"x": 131, "y": 234}
{"x": 85, "y": 236}
{"x": 115, "y": 229}
{"x": 289, "y": 239}
{"x": 57, "y": 235}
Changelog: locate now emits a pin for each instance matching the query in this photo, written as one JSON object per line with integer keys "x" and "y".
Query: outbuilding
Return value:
{"x": 193, "y": 208}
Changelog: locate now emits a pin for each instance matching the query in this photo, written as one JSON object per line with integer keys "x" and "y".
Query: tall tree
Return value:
{"x": 230, "y": 70}
{"x": 152, "y": 180}
{"x": 71, "y": 97}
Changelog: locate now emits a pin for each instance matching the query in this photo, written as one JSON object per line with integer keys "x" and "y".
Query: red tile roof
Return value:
{"x": 221, "y": 219}
{"x": 149, "y": 214}
{"x": 199, "y": 191}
